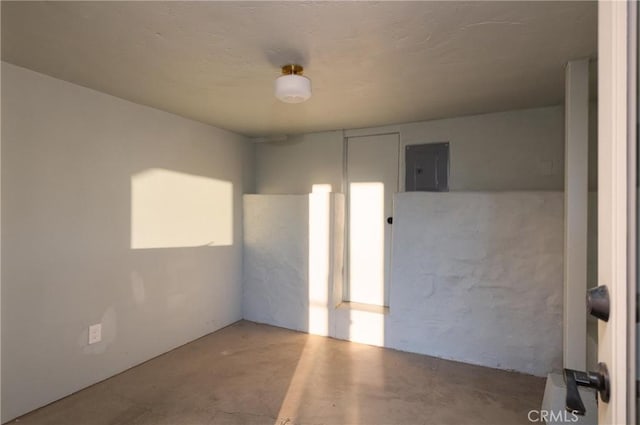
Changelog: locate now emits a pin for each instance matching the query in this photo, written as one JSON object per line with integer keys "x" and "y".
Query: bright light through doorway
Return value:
{"x": 319, "y": 263}
{"x": 171, "y": 209}
{"x": 366, "y": 243}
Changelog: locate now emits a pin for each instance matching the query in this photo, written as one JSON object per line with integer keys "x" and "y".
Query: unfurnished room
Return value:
{"x": 306, "y": 212}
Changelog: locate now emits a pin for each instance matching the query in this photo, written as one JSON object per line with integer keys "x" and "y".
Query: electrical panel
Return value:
{"x": 427, "y": 167}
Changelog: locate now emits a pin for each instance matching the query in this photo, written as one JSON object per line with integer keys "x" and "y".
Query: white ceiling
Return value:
{"x": 370, "y": 63}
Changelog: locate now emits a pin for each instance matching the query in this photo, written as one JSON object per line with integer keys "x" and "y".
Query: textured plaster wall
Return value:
{"x": 70, "y": 156}
{"x": 276, "y": 260}
{"x": 476, "y": 277}
{"x": 293, "y": 255}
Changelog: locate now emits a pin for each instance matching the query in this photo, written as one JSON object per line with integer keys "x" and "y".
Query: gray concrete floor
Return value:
{"x": 257, "y": 374}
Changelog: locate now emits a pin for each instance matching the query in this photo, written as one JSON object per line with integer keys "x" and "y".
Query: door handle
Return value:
{"x": 598, "y": 302}
{"x": 390, "y": 220}
{"x": 599, "y": 380}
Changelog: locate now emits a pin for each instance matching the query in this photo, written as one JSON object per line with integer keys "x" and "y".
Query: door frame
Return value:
{"x": 346, "y": 289}
{"x": 617, "y": 203}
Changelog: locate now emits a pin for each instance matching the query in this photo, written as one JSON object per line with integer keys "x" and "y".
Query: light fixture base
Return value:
{"x": 292, "y": 69}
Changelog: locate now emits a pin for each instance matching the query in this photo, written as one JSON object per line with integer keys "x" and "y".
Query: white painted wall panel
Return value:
{"x": 511, "y": 150}
{"x": 295, "y": 165}
{"x": 75, "y": 164}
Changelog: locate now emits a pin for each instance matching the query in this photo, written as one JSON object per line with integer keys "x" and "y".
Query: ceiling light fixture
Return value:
{"x": 292, "y": 86}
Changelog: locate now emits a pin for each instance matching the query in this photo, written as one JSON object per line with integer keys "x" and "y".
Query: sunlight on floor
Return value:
{"x": 171, "y": 209}
{"x": 319, "y": 272}
{"x": 297, "y": 386}
{"x": 363, "y": 323}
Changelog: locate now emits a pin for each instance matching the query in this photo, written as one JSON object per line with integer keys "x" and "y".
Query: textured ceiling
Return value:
{"x": 370, "y": 63}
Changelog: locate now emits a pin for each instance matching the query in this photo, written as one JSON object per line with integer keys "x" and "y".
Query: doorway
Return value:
{"x": 372, "y": 180}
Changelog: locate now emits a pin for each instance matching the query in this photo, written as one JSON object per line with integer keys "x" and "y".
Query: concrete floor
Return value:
{"x": 257, "y": 374}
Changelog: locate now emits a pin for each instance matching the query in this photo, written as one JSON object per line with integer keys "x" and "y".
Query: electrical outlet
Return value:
{"x": 95, "y": 333}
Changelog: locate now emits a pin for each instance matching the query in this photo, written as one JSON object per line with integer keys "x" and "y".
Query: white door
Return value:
{"x": 616, "y": 204}
{"x": 372, "y": 179}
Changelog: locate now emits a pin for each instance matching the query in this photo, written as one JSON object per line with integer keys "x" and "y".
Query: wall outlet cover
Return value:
{"x": 95, "y": 333}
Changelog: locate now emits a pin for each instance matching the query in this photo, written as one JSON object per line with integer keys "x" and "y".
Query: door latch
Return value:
{"x": 598, "y": 380}
{"x": 598, "y": 303}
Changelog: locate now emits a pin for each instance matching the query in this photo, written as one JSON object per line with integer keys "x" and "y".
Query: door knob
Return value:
{"x": 599, "y": 380}
{"x": 390, "y": 220}
{"x": 598, "y": 302}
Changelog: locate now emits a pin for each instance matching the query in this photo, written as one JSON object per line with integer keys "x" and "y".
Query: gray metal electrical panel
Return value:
{"x": 427, "y": 167}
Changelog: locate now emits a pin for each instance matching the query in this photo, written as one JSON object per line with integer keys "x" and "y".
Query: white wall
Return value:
{"x": 295, "y": 165}
{"x": 476, "y": 277}
{"x": 293, "y": 260}
{"x": 70, "y": 158}
{"x": 276, "y": 260}
{"x": 500, "y": 151}
{"x": 513, "y": 150}
{"x": 519, "y": 150}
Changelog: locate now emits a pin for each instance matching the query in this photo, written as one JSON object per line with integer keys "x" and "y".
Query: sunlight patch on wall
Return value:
{"x": 319, "y": 239}
{"x": 170, "y": 209}
{"x": 366, "y": 243}
{"x": 321, "y": 188}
